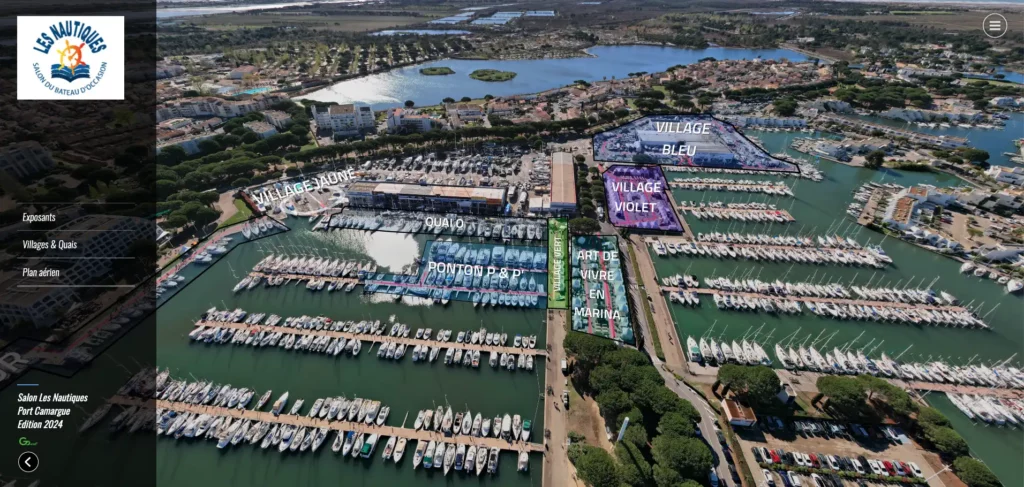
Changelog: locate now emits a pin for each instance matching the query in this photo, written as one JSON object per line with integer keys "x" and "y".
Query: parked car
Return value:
{"x": 732, "y": 472}
{"x": 721, "y": 437}
{"x": 757, "y": 454}
{"x": 768, "y": 477}
{"x": 793, "y": 478}
{"x": 713, "y": 477}
{"x": 857, "y": 467}
{"x": 914, "y": 468}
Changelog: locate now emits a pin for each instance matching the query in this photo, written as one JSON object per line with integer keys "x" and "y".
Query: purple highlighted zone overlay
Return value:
{"x": 637, "y": 198}
{"x": 685, "y": 140}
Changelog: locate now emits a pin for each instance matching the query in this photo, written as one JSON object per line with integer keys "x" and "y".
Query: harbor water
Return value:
{"x": 404, "y": 385}
{"x": 817, "y": 207}
{"x": 1001, "y": 448}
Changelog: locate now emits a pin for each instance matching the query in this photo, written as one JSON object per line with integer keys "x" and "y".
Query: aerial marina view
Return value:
{"x": 585, "y": 244}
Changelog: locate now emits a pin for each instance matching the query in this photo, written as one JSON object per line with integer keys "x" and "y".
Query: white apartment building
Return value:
{"x": 21, "y": 160}
{"x": 1014, "y": 175}
{"x": 210, "y": 106}
{"x": 277, "y": 118}
{"x": 344, "y": 119}
{"x": 41, "y": 306}
{"x": 99, "y": 237}
{"x": 400, "y": 120}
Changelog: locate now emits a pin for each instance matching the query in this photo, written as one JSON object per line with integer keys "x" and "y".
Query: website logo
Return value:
{"x": 67, "y": 58}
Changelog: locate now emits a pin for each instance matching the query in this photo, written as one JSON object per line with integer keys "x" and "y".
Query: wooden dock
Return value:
{"x": 739, "y": 187}
{"x": 843, "y": 301}
{"x": 785, "y": 214}
{"x": 410, "y": 342}
{"x": 679, "y": 240}
{"x": 304, "y": 277}
{"x": 358, "y": 427}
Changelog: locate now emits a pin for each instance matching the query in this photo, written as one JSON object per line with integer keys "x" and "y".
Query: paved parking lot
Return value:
{"x": 848, "y": 446}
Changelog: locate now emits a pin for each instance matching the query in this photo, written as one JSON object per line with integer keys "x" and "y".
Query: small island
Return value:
{"x": 437, "y": 71}
{"x": 492, "y": 75}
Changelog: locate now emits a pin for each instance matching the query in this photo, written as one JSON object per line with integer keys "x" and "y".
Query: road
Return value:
{"x": 708, "y": 418}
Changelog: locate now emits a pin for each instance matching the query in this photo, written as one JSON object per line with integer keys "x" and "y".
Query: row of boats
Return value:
{"x": 1012, "y": 285}
{"x": 826, "y": 241}
{"x": 848, "y": 310}
{"x": 211, "y": 251}
{"x": 993, "y": 410}
{"x": 807, "y": 170}
{"x": 261, "y": 227}
{"x": 505, "y": 230}
{"x": 784, "y": 297}
{"x": 230, "y": 430}
{"x": 870, "y": 257}
{"x": 776, "y": 188}
{"x": 314, "y": 266}
{"x": 845, "y": 360}
{"x": 272, "y": 331}
{"x": 745, "y": 215}
{"x": 510, "y": 256}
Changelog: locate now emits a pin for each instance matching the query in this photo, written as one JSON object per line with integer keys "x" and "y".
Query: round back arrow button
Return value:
{"x": 28, "y": 462}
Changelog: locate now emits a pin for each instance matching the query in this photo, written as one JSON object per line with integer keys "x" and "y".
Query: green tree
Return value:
{"x": 409, "y": 103}
{"x": 946, "y": 441}
{"x": 928, "y": 416}
{"x": 171, "y": 155}
{"x": 785, "y": 107}
{"x": 613, "y": 402}
{"x": 448, "y": 100}
{"x": 874, "y": 159}
{"x": 974, "y": 473}
{"x": 584, "y": 225}
{"x": 633, "y": 467}
{"x": 845, "y": 394}
{"x": 675, "y": 424}
{"x": 689, "y": 457}
{"x": 597, "y": 468}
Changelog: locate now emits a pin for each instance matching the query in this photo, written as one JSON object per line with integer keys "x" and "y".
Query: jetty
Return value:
{"x": 815, "y": 299}
{"x": 715, "y": 184}
{"x": 411, "y": 342}
{"x": 743, "y": 214}
{"x": 306, "y": 421}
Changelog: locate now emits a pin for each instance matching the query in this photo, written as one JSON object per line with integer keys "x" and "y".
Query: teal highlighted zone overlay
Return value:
{"x": 599, "y": 297}
{"x": 558, "y": 263}
{"x": 481, "y": 273}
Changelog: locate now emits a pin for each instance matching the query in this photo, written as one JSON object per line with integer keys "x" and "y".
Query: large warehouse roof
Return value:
{"x": 563, "y": 180}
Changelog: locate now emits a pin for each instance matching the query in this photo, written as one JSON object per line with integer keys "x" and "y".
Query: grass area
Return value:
{"x": 647, "y": 307}
{"x": 493, "y": 75}
{"x": 437, "y": 71}
{"x": 242, "y": 214}
{"x": 336, "y": 23}
{"x": 919, "y": 12}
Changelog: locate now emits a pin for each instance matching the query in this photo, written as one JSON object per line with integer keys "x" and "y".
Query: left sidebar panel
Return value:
{"x": 78, "y": 242}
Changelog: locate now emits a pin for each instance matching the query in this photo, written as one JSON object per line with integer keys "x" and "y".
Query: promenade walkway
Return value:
{"x": 737, "y": 214}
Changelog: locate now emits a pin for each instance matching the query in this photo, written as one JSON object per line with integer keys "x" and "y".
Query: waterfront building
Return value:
{"x": 22, "y": 302}
{"x": 102, "y": 238}
{"x": 211, "y": 106}
{"x": 415, "y": 197}
{"x": 1014, "y": 175}
{"x": 347, "y": 119}
{"x": 465, "y": 112}
{"x": 22, "y": 160}
{"x": 400, "y": 120}
{"x": 263, "y": 129}
{"x": 738, "y": 414}
{"x": 831, "y": 105}
{"x": 900, "y": 212}
{"x": 501, "y": 109}
{"x": 277, "y": 118}
{"x": 1003, "y": 102}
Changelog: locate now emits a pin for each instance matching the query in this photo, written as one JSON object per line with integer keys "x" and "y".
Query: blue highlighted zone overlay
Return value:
{"x": 483, "y": 274}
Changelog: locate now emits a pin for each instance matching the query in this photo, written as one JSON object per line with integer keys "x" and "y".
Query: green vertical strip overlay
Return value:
{"x": 558, "y": 263}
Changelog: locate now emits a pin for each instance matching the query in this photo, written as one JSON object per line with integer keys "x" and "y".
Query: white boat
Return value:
{"x": 1014, "y": 285}
{"x": 399, "y": 450}
{"x": 524, "y": 461}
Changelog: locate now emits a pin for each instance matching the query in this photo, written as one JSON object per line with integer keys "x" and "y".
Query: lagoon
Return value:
{"x": 391, "y": 89}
